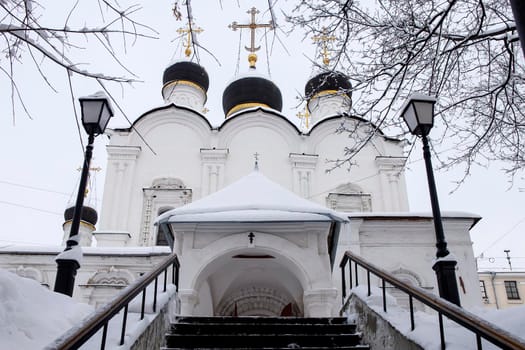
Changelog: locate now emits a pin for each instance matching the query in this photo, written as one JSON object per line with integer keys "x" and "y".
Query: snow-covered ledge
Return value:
{"x": 112, "y": 238}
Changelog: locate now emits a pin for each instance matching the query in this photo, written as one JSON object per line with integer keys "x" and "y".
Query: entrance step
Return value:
{"x": 263, "y": 333}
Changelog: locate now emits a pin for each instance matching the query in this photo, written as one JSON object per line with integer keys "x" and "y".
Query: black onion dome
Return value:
{"x": 88, "y": 214}
{"x": 254, "y": 89}
{"x": 188, "y": 71}
{"x": 328, "y": 81}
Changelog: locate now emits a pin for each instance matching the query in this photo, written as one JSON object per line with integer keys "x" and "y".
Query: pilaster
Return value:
{"x": 303, "y": 166}
{"x": 188, "y": 299}
{"x": 117, "y": 189}
{"x": 213, "y": 162}
{"x": 390, "y": 175}
{"x": 319, "y": 302}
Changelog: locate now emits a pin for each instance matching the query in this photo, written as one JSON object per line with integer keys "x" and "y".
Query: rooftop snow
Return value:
{"x": 253, "y": 198}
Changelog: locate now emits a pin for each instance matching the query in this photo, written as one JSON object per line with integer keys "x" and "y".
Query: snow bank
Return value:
{"x": 32, "y": 316}
{"x": 426, "y": 332}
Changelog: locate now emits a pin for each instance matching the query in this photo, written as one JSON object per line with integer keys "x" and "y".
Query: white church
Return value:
{"x": 257, "y": 221}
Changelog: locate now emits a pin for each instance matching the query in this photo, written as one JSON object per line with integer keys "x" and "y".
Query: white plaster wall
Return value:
{"x": 364, "y": 172}
{"x": 408, "y": 243}
{"x": 177, "y": 137}
{"x": 39, "y": 263}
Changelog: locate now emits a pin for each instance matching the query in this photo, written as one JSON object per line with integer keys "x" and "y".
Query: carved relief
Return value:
{"x": 256, "y": 301}
{"x": 29, "y": 272}
{"x": 111, "y": 277}
{"x": 349, "y": 198}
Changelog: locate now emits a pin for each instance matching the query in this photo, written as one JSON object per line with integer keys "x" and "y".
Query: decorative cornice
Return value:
{"x": 214, "y": 154}
{"x": 387, "y": 162}
{"x": 303, "y": 160}
{"x": 123, "y": 152}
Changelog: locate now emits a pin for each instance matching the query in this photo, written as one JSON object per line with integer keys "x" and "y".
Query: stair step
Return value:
{"x": 355, "y": 347}
{"x": 256, "y": 340}
{"x": 265, "y": 328}
{"x": 261, "y": 320}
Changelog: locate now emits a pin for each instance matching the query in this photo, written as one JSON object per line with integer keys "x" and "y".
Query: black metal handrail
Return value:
{"x": 480, "y": 327}
{"x": 76, "y": 337}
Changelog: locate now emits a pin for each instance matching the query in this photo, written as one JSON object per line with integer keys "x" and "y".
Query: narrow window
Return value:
{"x": 483, "y": 290}
{"x": 161, "y": 239}
{"x": 511, "y": 287}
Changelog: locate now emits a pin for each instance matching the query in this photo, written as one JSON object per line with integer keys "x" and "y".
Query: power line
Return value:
{"x": 31, "y": 208}
{"x": 503, "y": 236}
{"x": 33, "y": 188}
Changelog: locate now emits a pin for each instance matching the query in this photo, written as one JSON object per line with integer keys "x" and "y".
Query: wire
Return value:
{"x": 502, "y": 236}
{"x": 33, "y": 188}
{"x": 32, "y": 208}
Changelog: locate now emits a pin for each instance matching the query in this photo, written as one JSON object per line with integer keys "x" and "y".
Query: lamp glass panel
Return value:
{"x": 410, "y": 118}
{"x": 104, "y": 117}
{"x": 425, "y": 112}
{"x": 91, "y": 111}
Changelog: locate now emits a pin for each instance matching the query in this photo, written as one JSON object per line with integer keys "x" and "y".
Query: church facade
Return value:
{"x": 288, "y": 263}
{"x": 255, "y": 208}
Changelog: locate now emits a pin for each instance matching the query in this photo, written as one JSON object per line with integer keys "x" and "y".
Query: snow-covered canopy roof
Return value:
{"x": 253, "y": 198}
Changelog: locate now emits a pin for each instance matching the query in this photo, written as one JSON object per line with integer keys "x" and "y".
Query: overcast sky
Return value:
{"x": 40, "y": 157}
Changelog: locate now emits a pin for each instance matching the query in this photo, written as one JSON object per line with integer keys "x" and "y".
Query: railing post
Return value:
{"x": 173, "y": 273}
{"x": 356, "y": 278}
{"x": 124, "y": 320}
{"x": 104, "y": 336}
{"x": 478, "y": 342}
{"x": 143, "y": 304}
{"x": 441, "y": 331}
{"x": 411, "y": 303}
{"x": 350, "y": 273}
{"x": 368, "y": 282}
{"x": 177, "y": 278}
{"x": 384, "y": 293}
{"x": 155, "y": 295}
{"x": 343, "y": 283}
{"x": 165, "y": 279}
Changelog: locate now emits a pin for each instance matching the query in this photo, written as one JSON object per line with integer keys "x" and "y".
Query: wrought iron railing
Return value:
{"x": 481, "y": 328}
{"x": 76, "y": 337}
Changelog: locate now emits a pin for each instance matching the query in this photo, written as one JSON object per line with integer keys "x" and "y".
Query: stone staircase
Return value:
{"x": 263, "y": 333}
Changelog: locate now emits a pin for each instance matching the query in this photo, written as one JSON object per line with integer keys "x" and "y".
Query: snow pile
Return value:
{"x": 31, "y": 316}
{"x": 426, "y": 332}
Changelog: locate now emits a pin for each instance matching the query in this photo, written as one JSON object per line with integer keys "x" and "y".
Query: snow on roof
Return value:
{"x": 252, "y": 198}
{"x": 397, "y": 214}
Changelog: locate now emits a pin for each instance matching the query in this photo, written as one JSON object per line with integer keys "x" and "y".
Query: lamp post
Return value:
{"x": 96, "y": 112}
{"x": 418, "y": 113}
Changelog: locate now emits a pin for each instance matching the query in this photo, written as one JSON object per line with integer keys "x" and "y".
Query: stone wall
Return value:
{"x": 376, "y": 331}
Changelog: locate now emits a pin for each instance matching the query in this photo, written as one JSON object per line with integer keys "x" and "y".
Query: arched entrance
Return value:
{"x": 249, "y": 282}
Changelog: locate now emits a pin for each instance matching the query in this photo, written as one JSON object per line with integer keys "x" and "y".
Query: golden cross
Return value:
{"x": 324, "y": 39}
{"x": 304, "y": 116}
{"x": 252, "y": 57}
{"x": 189, "y": 30}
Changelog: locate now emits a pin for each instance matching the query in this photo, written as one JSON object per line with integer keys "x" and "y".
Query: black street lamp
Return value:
{"x": 418, "y": 113}
{"x": 518, "y": 10}
{"x": 96, "y": 112}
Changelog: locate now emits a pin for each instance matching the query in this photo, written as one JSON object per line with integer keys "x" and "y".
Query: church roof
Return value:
{"x": 253, "y": 198}
{"x": 251, "y": 90}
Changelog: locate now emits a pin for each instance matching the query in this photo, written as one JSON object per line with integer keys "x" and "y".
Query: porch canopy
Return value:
{"x": 253, "y": 199}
